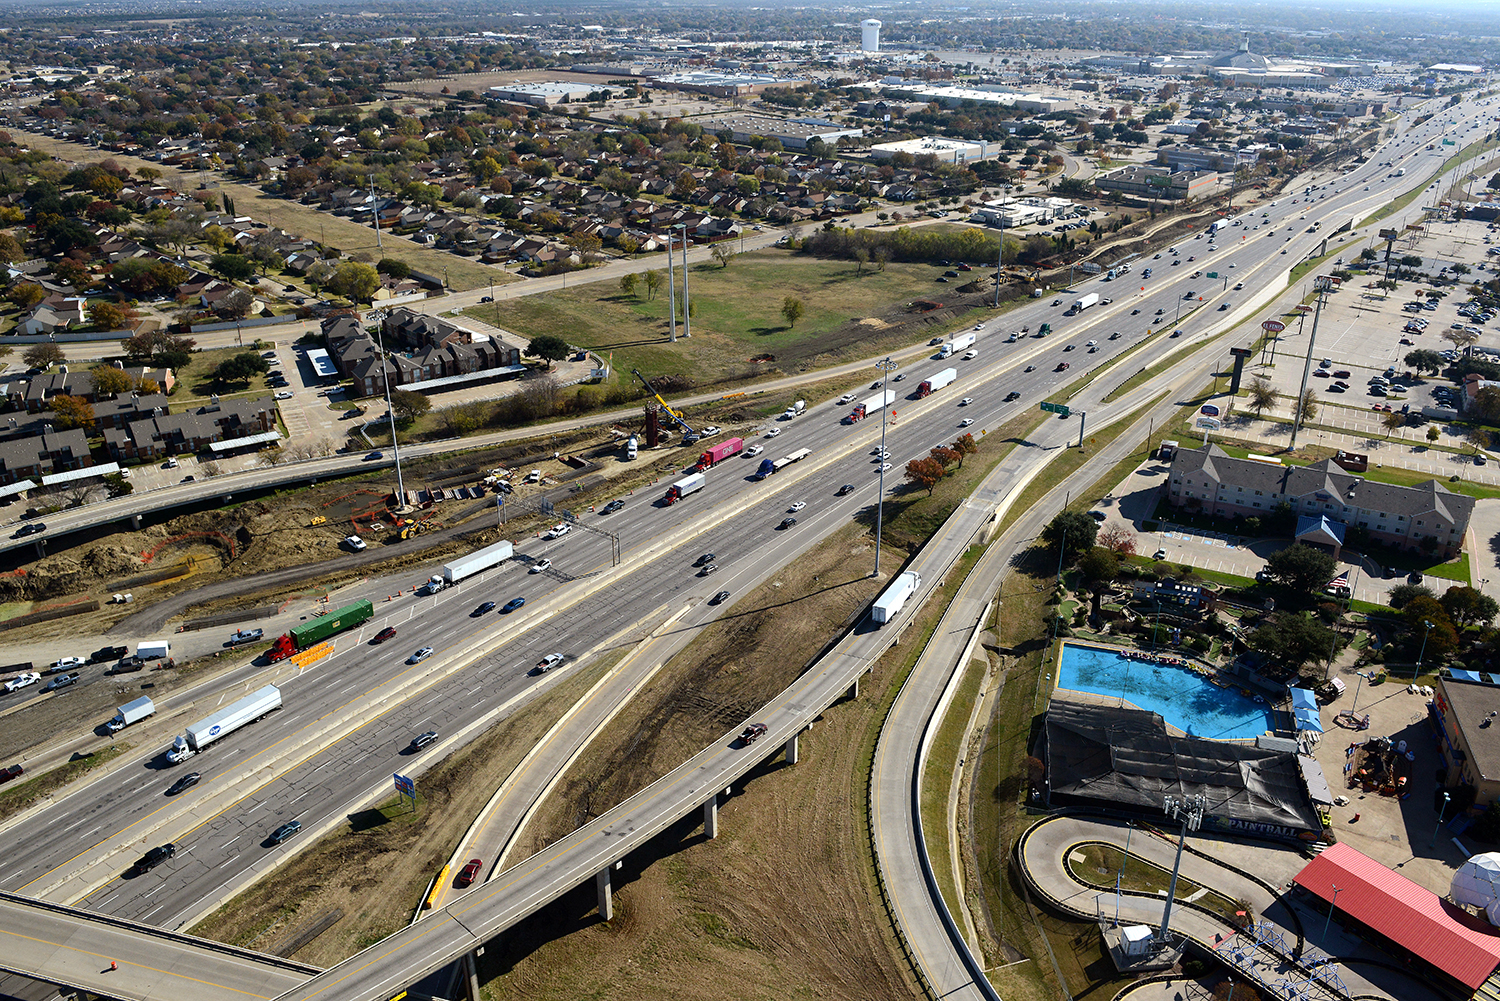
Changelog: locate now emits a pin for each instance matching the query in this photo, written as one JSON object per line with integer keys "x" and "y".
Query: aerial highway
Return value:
{"x": 733, "y": 517}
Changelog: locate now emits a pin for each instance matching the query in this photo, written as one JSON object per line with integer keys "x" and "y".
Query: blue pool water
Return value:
{"x": 1184, "y": 699}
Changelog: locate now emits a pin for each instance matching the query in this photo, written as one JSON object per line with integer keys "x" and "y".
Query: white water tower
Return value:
{"x": 869, "y": 35}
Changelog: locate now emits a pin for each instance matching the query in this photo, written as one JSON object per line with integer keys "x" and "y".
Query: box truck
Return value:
{"x": 468, "y": 566}
{"x": 319, "y": 629}
{"x": 131, "y": 712}
{"x": 1092, "y": 299}
{"x": 894, "y": 597}
{"x": 252, "y": 707}
{"x": 153, "y": 649}
{"x": 881, "y": 399}
{"x": 683, "y": 487}
{"x": 938, "y": 381}
{"x": 957, "y": 344}
{"x": 795, "y": 410}
{"x": 718, "y": 453}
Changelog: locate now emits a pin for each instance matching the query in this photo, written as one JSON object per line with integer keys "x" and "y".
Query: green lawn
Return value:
{"x": 195, "y": 380}
{"x": 736, "y": 315}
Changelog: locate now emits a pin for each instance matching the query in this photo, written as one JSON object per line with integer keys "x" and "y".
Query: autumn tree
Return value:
{"x": 70, "y": 412}
{"x": 926, "y": 473}
{"x": 654, "y": 281}
{"x": 43, "y": 355}
{"x": 355, "y": 281}
{"x": 964, "y": 445}
{"x": 723, "y": 254}
{"x": 109, "y": 315}
{"x": 26, "y": 295}
{"x": 944, "y": 455}
{"x": 110, "y": 381}
{"x": 1117, "y": 539}
{"x": 408, "y": 405}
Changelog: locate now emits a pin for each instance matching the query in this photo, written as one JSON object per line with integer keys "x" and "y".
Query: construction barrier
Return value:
{"x": 437, "y": 886}
{"x": 312, "y": 654}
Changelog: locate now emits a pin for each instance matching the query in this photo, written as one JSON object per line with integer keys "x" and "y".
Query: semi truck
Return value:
{"x": 933, "y": 382}
{"x": 1217, "y": 225}
{"x": 1092, "y": 299}
{"x": 882, "y": 399}
{"x": 131, "y": 712}
{"x": 957, "y": 344}
{"x": 153, "y": 649}
{"x": 221, "y": 724}
{"x": 468, "y": 566}
{"x": 683, "y": 487}
{"x": 795, "y": 410}
{"x": 894, "y": 597}
{"x": 718, "y": 453}
{"x": 767, "y": 467}
{"x": 314, "y": 632}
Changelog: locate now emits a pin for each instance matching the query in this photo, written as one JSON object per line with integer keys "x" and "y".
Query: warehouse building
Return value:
{"x": 1158, "y": 182}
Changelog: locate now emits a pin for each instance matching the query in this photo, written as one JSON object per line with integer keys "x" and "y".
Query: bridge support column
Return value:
{"x": 471, "y": 977}
{"x": 853, "y": 692}
{"x": 606, "y": 897}
{"x": 711, "y": 817}
{"x": 791, "y": 749}
{"x": 135, "y": 522}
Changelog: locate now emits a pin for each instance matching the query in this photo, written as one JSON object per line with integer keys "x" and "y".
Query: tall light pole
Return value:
{"x": 385, "y": 376}
{"x": 1189, "y": 810}
{"x": 687, "y": 313}
{"x": 375, "y": 214}
{"x": 886, "y": 366}
{"x": 1418, "y": 669}
{"x": 1433, "y": 843}
{"x": 1329, "y": 920}
{"x": 1321, "y": 286}
{"x": 671, "y": 292}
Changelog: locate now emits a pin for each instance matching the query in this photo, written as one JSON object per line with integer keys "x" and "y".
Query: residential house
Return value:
{"x": 40, "y": 455}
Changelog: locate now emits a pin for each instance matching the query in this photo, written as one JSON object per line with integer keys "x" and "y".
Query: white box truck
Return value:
{"x": 1092, "y": 299}
{"x": 467, "y": 566}
{"x": 894, "y": 597}
{"x": 224, "y": 722}
{"x": 957, "y": 344}
{"x": 683, "y": 487}
{"x": 131, "y": 712}
{"x": 153, "y": 649}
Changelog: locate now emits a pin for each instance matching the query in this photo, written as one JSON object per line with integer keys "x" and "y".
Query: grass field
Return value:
{"x": 736, "y": 316}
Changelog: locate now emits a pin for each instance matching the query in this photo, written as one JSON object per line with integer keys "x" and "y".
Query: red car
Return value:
{"x": 469, "y": 872}
{"x": 389, "y": 632}
{"x": 1062, "y": 366}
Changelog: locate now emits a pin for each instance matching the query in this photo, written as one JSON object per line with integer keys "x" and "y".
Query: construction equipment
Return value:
{"x": 666, "y": 407}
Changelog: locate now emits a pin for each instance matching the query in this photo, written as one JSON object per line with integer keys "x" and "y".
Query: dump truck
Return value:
{"x": 718, "y": 453}
{"x": 894, "y": 597}
{"x": 252, "y": 707}
{"x": 468, "y": 566}
{"x": 957, "y": 344}
{"x": 1079, "y": 305}
{"x": 683, "y": 487}
{"x": 153, "y": 649}
{"x": 882, "y": 399}
{"x": 131, "y": 712}
{"x": 938, "y": 381}
{"x": 319, "y": 629}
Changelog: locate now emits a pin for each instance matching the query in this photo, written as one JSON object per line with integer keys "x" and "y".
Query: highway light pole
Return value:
{"x": 385, "y": 376}
{"x": 1321, "y": 290}
{"x": 671, "y": 292}
{"x": 886, "y": 366}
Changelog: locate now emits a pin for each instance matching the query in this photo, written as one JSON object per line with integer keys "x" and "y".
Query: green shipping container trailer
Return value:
{"x": 334, "y": 622}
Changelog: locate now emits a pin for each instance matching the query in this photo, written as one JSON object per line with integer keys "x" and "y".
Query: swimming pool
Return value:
{"x": 1184, "y": 699}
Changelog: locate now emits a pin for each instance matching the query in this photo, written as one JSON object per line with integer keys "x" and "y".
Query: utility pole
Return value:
{"x": 687, "y": 313}
{"x": 671, "y": 292}
{"x": 886, "y": 366}
{"x": 1189, "y": 810}
{"x": 1321, "y": 285}
{"x": 390, "y": 411}
{"x": 375, "y": 214}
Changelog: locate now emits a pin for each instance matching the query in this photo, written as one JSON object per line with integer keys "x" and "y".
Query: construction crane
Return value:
{"x": 664, "y": 405}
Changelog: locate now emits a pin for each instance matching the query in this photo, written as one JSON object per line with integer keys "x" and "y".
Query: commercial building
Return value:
{"x": 542, "y": 92}
{"x": 1201, "y": 158}
{"x": 946, "y": 150}
{"x": 869, "y": 35}
{"x": 1427, "y": 518}
{"x": 1158, "y": 182}
{"x": 792, "y": 133}
{"x": 723, "y": 84}
{"x": 1464, "y": 709}
{"x": 1013, "y": 212}
{"x": 952, "y": 97}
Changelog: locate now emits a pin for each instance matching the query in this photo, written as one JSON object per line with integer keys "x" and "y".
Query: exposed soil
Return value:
{"x": 784, "y": 899}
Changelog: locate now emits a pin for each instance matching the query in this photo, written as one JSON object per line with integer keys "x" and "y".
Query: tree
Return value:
{"x": 1075, "y": 530}
{"x": 461, "y": 418}
{"x": 792, "y": 309}
{"x": 722, "y": 253}
{"x": 159, "y": 347}
{"x": 548, "y": 347}
{"x": 1404, "y": 594}
{"x": 1291, "y": 639}
{"x": 1469, "y": 607}
{"x": 1307, "y": 406}
{"x": 1098, "y": 567}
{"x": 1464, "y": 340}
{"x": 109, "y": 315}
{"x": 1262, "y": 396}
{"x": 408, "y": 406}
{"x": 629, "y": 282}
{"x": 1393, "y": 420}
{"x": 393, "y": 268}
{"x": 1301, "y": 567}
{"x": 70, "y": 412}
{"x": 1442, "y": 638}
{"x": 43, "y": 355}
{"x": 1423, "y": 360}
{"x": 1479, "y": 438}
{"x": 1433, "y": 434}
{"x": 654, "y": 281}
{"x": 926, "y": 473}
{"x": 964, "y": 445}
{"x": 241, "y": 367}
{"x": 26, "y": 295}
{"x": 117, "y": 484}
{"x": 355, "y": 281}
{"x": 110, "y": 381}
{"x": 235, "y": 267}
{"x": 1118, "y": 539}
{"x": 236, "y": 304}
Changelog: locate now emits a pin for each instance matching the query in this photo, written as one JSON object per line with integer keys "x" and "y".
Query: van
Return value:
{"x": 970, "y": 355}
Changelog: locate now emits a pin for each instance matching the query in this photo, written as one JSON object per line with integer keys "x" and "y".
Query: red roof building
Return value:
{"x": 1445, "y": 937}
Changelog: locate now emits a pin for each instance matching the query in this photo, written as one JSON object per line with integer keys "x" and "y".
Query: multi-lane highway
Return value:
{"x": 260, "y": 785}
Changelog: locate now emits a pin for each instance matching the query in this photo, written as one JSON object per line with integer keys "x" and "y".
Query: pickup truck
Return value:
{"x": 62, "y": 681}
{"x": 103, "y": 654}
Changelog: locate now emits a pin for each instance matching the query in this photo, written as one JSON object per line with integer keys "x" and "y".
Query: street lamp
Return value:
{"x": 1433, "y": 843}
{"x": 1328, "y": 920}
{"x": 886, "y": 366}
{"x": 385, "y": 376}
{"x": 1418, "y": 669}
{"x": 1189, "y": 810}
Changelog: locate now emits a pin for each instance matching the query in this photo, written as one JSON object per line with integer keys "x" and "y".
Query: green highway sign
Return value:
{"x": 1213, "y": 274}
{"x": 1056, "y": 408}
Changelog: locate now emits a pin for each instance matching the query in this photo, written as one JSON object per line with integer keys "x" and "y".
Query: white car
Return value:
{"x": 966, "y": 422}
{"x": 753, "y": 451}
{"x": 284, "y": 394}
{"x": 1091, "y": 344}
{"x": 17, "y": 683}
{"x": 68, "y": 663}
{"x": 845, "y": 399}
{"x": 355, "y": 543}
{"x": 540, "y": 566}
{"x": 885, "y": 466}
{"x": 966, "y": 401}
{"x": 773, "y": 432}
{"x": 558, "y": 531}
{"x": 712, "y": 429}
{"x": 798, "y": 506}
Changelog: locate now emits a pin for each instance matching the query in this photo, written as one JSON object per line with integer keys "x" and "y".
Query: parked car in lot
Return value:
{"x": 355, "y": 543}
{"x": 67, "y": 663}
{"x": 21, "y": 681}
